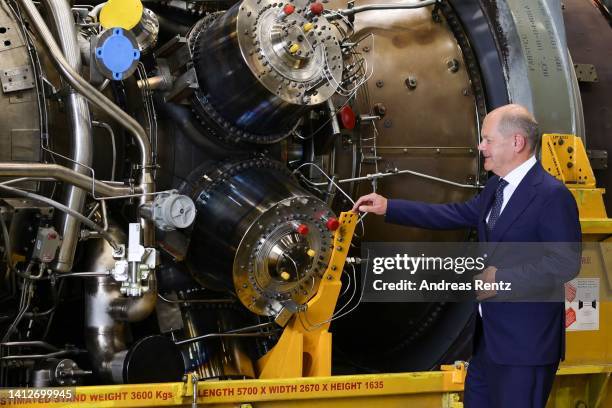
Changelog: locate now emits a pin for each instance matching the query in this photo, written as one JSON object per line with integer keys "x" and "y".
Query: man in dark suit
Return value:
{"x": 517, "y": 345}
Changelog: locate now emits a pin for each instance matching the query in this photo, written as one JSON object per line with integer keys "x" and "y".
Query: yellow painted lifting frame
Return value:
{"x": 297, "y": 371}
{"x": 304, "y": 349}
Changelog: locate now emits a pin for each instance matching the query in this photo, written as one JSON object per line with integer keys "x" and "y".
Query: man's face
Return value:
{"x": 496, "y": 148}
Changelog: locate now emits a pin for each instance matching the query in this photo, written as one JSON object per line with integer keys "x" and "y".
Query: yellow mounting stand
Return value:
{"x": 588, "y": 361}
{"x": 565, "y": 157}
{"x": 304, "y": 349}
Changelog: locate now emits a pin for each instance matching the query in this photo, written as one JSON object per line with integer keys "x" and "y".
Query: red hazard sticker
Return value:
{"x": 570, "y": 292}
{"x": 570, "y": 317}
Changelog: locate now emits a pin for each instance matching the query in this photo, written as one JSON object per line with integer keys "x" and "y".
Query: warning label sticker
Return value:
{"x": 582, "y": 304}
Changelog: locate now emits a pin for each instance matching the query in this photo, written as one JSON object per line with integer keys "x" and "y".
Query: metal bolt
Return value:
{"x": 366, "y": 49}
{"x": 411, "y": 82}
{"x": 570, "y": 149}
{"x": 380, "y": 83}
{"x": 570, "y": 165}
{"x": 452, "y": 65}
{"x": 388, "y": 123}
{"x": 380, "y": 109}
{"x": 561, "y": 142}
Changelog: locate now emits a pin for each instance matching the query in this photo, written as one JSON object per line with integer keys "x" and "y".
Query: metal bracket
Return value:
{"x": 183, "y": 87}
{"x": 586, "y": 73}
{"x": 17, "y": 79}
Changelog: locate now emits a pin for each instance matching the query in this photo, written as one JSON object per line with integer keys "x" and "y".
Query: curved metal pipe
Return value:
{"x": 80, "y": 126}
{"x": 61, "y": 173}
{"x": 131, "y": 309}
{"x": 369, "y": 7}
{"x": 98, "y": 99}
{"x": 107, "y": 311}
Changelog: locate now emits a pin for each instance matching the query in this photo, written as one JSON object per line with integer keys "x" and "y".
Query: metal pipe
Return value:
{"x": 158, "y": 82}
{"x": 61, "y": 173}
{"x": 107, "y": 311}
{"x": 80, "y": 126}
{"x": 135, "y": 309}
{"x": 397, "y": 6}
{"x": 62, "y": 208}
{"x": 98, "y": 99}
{"x": 217, "y": 335}
{"x": 333, "y": 118}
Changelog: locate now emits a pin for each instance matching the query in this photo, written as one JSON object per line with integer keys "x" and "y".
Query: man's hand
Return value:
{"x": 487, "y": 276}
{"x": 371, "y": 203}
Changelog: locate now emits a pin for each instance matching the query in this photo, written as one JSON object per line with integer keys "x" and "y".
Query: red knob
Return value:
{"x": 332, "y": 224}
{"x": 302, "y": 229}
{"x": 288, "y": 9}
{"x": 347, "y": 117}
{"x": 316, "y": 8}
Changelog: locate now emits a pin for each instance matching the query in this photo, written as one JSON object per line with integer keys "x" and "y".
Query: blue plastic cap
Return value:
{"x": 117, "y": 53}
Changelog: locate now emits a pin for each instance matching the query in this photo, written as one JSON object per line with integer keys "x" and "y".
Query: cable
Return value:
{"x": 360, "y": 221}
{"x": 336, "y": 315}
{"x": 326, "y": 176}
{"x": 7, "y": 248}
{"x": 65, "y": 209}
{"x": 24, "y": 304}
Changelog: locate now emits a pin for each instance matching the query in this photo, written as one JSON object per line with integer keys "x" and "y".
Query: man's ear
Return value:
{"x": 520, "y": 143}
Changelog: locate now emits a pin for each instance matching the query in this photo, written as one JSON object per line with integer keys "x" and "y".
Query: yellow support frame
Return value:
{"x": 304, "y": 349}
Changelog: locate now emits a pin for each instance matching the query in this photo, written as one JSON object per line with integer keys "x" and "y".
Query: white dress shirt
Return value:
{"x": 513, "y": 178}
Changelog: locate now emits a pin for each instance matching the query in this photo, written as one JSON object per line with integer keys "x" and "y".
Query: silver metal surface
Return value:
{"x": 252, "y": 76}
{"x": 104, "y": 335}
{"x": 396, "y": 6}
{"x": 146, "y": 180}
{"x": 20, "y": 131}
{"x": 260, "y": 235}
{"x": 17, "y": 79}
{"x": 107, "y": 312}
{"x": 535, "y": 49}
{"x": 147, "y": 31}
{"x": 80, "y": 126}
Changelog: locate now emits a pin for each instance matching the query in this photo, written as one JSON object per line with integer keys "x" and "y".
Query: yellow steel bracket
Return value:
{"x": 458, "y": 371}
{"x": 304, "y": 348}
{"x": 121, "y": 13}
{"x": 565, "y": 157}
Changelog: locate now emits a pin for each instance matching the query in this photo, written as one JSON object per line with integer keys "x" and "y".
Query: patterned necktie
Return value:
{"x": 497, "y": 204}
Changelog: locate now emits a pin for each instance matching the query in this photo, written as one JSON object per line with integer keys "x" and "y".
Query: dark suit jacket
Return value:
{"x": 541, "y": 209}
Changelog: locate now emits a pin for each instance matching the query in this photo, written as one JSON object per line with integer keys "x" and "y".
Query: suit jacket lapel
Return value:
{"x": 521, "y": 198}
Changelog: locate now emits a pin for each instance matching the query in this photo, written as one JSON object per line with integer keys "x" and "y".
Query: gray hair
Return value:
{"x": 517, "y": 119}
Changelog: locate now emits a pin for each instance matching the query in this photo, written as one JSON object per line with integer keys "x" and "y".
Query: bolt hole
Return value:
{"x": 7, "y": 43}
{"x": 2, "y": 30}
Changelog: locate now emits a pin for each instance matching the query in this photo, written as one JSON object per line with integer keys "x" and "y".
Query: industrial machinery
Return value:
{"x": 175, "y": 176}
